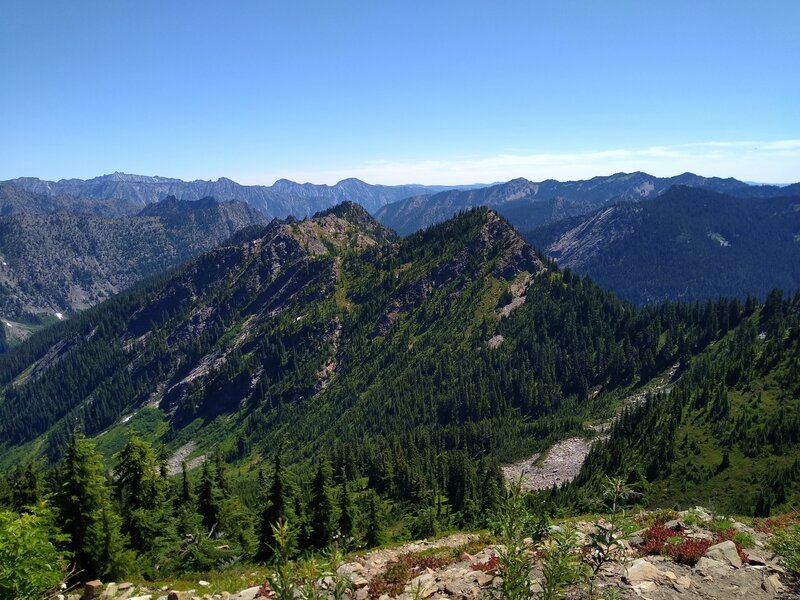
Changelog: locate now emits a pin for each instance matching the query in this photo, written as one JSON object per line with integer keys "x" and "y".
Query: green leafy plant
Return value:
{"x": 514, "y": 561}
{"x": 603, "y": 541}
{"x": 786, "y": 544}
{"x": 282, "y": 580}
{"x": 30, "y": 563}
{"x": 562, "y": 566}
{"x": 744, "y": 539}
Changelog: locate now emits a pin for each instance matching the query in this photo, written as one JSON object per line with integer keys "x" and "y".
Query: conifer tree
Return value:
{"x": 141, "y": 491}
{"x": 208, "y": 498}
{"x": 346, "y": 528}
{"x": 373, "y": 527}
{"x": 86, "y": 514}
{"x": 220, "y": 475}
{"x": 276, "y": 506}
{"x": 321, "y": 506}
{"x": 26, "y": 487}
{"x": 186, "y": 496}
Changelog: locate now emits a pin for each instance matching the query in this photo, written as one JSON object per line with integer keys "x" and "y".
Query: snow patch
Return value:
{"x": 59, "y": 316}
{"x": 9, "y": 324}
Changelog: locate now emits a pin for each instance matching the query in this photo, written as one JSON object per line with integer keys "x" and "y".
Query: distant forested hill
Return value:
{"x": 527, "y": 204}
{"x": 15, "y": 200}
{"x": 687, "y": 244}
{"x": 63, "y": 262}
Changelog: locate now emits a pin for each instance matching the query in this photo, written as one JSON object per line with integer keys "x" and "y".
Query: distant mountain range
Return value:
{"x": 63, "y": 262}
{"x": 282, "y": 199}
{"x": 528, "y": 205}
{"x": 15, "y": 200}
{"x": 687, "y": 244}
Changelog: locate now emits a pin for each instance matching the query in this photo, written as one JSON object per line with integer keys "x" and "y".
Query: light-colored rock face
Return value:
{"x": 580, "y": 244}
{"x": 725, "y": 552}
{"x": 640, "y": 570}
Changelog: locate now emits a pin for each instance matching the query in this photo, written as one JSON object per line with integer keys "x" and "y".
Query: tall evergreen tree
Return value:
{"x": 186, "y": 495}
{"x": 26, "y": 486}
{"x": 373, "y": 527}
{"x": 276, "y": 506}
{"x": 208, "y": 498}
{"x": 142, "y": 494}
{"x": 346, "y": 521}
{"x": 321, "y": 507}
{"x": 220, "y": 474}
{"x": 86, "y": 513}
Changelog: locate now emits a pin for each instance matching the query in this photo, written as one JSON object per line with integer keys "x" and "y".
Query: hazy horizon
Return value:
{"x": 439, "y": 93}
{"x": 409, "y": 182}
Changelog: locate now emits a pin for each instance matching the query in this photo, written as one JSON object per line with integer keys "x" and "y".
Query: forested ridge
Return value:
{"x": 728, "y": 434}
{"x": 688, "y": 244}
{"x": 326, "y": 373}
{"x": 63, "y": 262}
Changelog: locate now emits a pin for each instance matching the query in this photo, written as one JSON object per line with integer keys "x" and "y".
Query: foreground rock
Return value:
{"x": 464, "y": 567}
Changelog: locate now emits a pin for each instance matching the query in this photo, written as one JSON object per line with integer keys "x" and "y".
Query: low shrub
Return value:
{"x": 778, "y": 523}
{"x": 656, "y": 518}
{"x": 659, "y": 540}
{"x": 744, "y": 539}
{"x": 786, "y": 544}
{"x": 488, "y": 566}
{"x": 398, "y": 573}
{"x": 688, "y": 551}
{"x": 655, "y": 538}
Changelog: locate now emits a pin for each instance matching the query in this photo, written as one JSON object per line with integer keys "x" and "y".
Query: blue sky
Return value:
{"x": 428, "y": 92}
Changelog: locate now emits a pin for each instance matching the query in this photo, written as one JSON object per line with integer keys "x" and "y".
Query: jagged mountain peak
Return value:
{"x": 283, "y": 198}
{"x": 487, "y": 238}
{"x": 530, "y": 204}
{"x": 346, "y": 227}
{"x": 357, "y": 215}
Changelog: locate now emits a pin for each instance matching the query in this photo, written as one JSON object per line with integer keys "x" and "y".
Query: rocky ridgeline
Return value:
{"x": 658, "y": 562}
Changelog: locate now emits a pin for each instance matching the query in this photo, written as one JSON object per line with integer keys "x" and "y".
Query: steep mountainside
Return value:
{"x": 16, "y": 200}
{"x": 687, "y": 244}
{"x": 62, "y": 262}
{"x": 281, "y": 199}
{"x": 728, "y": 434}
{"x": 528, "y": 205}
{"x": 407, "y": 361}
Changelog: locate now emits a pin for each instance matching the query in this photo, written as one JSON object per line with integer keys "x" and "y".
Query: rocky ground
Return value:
{"x": 563, "y": 461}
{"x": 561, "y": 465}
{"x": 464, "y": 566}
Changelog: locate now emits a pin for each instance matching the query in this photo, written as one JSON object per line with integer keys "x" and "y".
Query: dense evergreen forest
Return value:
{"x": 728, "y": 434}
{"x": 327, "y": 374}
{"x": 688, "y": 244}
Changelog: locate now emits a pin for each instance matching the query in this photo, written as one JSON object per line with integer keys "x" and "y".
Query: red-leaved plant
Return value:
{"x": 488, "y": 566}
{"x": 686, "y": 550}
